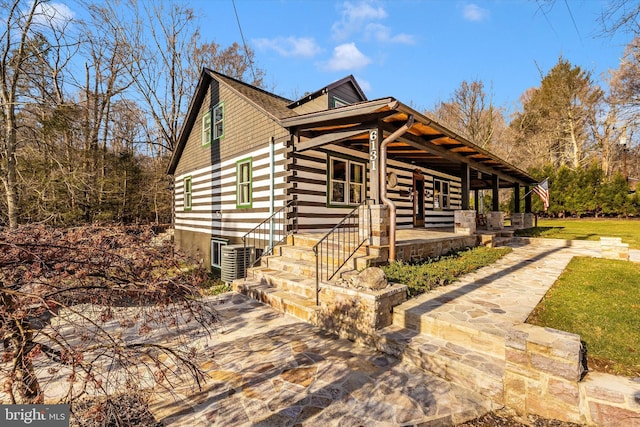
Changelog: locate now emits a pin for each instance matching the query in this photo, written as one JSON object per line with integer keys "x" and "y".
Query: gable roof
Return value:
{"x": 272, "y": 105}
{"x": 346, "y": 80}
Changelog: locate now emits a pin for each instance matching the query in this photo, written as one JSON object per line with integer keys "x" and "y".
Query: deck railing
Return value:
{"x": 262, "y": 239}
{"x": 337, "y": 246}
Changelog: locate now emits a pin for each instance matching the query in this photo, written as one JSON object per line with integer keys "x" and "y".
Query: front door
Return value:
{"x": 418, "y": 199}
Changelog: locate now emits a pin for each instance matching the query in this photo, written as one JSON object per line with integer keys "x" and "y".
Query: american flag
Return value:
{"x": 542, "y": 190}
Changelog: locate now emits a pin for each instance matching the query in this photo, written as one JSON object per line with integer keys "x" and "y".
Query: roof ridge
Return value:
{"x": 266, "y": 92}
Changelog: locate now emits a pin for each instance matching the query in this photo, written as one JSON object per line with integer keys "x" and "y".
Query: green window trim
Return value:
{"x": 218, "y": 121}
{"x": 244, "y": 183}
{"x": 346, "y": 181}
{"x": 337, "y": 102}
{"x": 187, "y": 191}
{"x": 206, "y": 129}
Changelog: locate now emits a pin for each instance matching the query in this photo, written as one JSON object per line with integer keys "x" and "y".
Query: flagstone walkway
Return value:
{"x": 267, "y": 369}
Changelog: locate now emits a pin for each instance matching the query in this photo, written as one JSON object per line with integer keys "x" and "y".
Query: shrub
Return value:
{"x": 425, "y": 275}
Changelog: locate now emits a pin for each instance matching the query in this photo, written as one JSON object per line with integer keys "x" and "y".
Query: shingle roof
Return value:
{"x": 274, "y": 105}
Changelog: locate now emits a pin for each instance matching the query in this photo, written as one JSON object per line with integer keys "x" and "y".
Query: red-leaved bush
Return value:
{"x": 93, "y": 311}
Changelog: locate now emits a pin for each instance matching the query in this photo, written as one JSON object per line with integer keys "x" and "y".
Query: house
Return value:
{"x": 245, "y": 154}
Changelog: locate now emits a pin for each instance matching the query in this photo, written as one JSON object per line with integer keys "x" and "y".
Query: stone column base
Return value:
{"x": 517, "y": 220}
{"x": 379, "y": 225}
{"x": 465, "y": 222}
{"x": 529, "y": 219}
{"x": 495, "y": 220}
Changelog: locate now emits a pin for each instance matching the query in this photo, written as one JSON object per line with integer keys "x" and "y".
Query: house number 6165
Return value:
{"x": 373, "y": 148}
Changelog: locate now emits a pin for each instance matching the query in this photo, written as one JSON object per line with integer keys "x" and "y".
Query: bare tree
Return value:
{"x": 471, "y": 112}
{"x": 94, "y": 311}
{"x": 14, "y": 54}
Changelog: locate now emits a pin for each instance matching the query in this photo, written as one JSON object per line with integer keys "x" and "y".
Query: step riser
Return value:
{"x": 470, "y": 338}
{"x": 308, "y": 242}
{"x": 480, "y": 373}
{"x": 487, "y": 381}
{"x": 271, "y": 297}
{"x": 305, "y": 254}
{"x": 304, "y": 290}
{"x": 305, "y": 269}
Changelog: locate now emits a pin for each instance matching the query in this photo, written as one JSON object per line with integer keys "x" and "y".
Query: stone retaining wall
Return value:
{"x": 543, "y": 376}
{"x": 355, "y": 314}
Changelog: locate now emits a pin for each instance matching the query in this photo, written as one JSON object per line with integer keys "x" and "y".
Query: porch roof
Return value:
{"x": 427, "y": 143}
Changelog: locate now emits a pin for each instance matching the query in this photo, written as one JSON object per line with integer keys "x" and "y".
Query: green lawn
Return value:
{"x": 587, "y": 229}
{"x": 598, "y": 299}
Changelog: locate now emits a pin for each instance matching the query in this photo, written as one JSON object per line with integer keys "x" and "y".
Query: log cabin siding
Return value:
{"x": 214, "y": 210}
{"x": 308, "y": 182}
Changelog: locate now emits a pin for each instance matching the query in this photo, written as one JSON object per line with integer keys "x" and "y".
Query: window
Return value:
{"x": 440, "y": 194}
{"x": 218, "y": 121}
{"x": 346, "y": 182}
{"x": 243, "y": 183}
{"x": 188, "y": 193}
{"x": 216, "y": 251}
{"x": 206, "y": 128}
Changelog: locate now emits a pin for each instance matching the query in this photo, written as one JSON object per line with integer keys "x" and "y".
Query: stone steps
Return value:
{"x": 462, "y": 333}
{"x": 281, "y": 300}
{"x": 302, "y": 286}
{"x": 476, "y": 371}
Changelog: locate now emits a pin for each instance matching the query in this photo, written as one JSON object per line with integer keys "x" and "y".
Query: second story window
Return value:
{"x": 218, "y": 121}
{"x": 206, "y": 128}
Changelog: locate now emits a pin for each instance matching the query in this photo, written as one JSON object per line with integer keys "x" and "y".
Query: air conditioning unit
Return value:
{"x": 235, "y": 258}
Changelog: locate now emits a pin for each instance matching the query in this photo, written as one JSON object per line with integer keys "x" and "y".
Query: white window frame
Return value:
{"x": 187, "y": 192}
{"x": 207, "y": 130}
{"x": 441, "y": 194}
{"x": 241, "y": 184}
{"x": 217, "y": 243}
{"x": 346, "y": 199}
{"x": 218, "y": 121}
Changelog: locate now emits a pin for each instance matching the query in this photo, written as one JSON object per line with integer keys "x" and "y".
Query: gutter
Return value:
{"x": 383, "y": 184}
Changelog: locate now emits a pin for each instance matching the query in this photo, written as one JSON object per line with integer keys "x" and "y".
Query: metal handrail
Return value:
{"x": 268, "y": 234}
{"x": 342, "y": 241}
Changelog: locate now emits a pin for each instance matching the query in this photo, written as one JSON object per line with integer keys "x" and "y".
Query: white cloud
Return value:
{"x": 347, "y": 57}
{"x": 354, "y": 17}
{"x": 382, "y": 33}
{"x": 55, "y": 14}
{"x": 290, "y": 46}
{"x": 473, "y": 12}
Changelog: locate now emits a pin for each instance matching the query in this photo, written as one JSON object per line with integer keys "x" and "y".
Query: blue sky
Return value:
{"x": 416, "y": 51}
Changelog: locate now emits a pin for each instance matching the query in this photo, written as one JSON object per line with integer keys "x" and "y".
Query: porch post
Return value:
{"x": 495, "y": 202}
{"x": 517, "y": 218}
{"x": 528, "y": 216}
{"x": 495, "y": 218}
{"x": 466, "y": 179}
{"x": 476, "y": 200}
{"x": 374, "y": 165}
